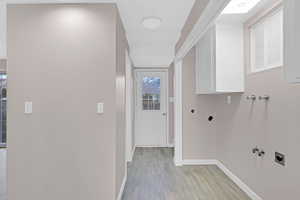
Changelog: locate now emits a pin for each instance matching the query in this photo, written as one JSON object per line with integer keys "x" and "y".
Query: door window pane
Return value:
{"x": 151, "y": 93}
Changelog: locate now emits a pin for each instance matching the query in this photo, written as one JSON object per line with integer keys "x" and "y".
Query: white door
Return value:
{"x": 151, "y": 108}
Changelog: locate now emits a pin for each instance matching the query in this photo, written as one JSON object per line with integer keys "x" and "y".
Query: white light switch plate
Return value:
{"x": 100, "y": 108}
{"x": 228, "y": 99}
{"x": 28, "y": 107}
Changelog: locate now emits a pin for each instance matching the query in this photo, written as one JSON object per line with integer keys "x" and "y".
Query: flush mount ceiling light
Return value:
{"x": 240, "y": 6}
{"x": 151, "y": 23}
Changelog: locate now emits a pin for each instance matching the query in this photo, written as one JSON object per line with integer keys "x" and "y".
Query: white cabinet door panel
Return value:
{"x": 205, "y": 62}
{"x": 292, "y": 40}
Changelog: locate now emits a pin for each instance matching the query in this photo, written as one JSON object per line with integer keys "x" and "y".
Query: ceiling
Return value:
{"x": 148, "y": 48}
{"x": 154, "y": 48}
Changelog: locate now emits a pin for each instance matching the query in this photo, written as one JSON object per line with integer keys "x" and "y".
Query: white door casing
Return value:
{"x": 151, "y": 108}
{"x": 129, "y": 111}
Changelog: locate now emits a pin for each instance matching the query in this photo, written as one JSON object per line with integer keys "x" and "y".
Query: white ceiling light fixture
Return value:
{"x": 240, "y": 6}
{"x": 151, "y": 23}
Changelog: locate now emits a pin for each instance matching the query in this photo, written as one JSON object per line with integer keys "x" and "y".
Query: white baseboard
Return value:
{"x": 132, "y": 154}
{"x": 239, "y": 182}
{"x": 171, "y": 145}
{"x": 178, "y": 163}
{"x": 199, "y": 162}
{"x": 122, "y": 187}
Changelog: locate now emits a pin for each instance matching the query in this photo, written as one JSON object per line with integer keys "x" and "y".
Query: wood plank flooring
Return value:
{"x": 153, "y": 176}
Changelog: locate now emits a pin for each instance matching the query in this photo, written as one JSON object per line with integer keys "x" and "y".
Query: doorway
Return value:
{"x": 151, "y": 108}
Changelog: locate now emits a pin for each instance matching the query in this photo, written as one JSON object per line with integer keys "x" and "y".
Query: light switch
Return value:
{"x": 100, "y": 108}
{"x": 228, "y": 99}
{"x": 28, "y": 107}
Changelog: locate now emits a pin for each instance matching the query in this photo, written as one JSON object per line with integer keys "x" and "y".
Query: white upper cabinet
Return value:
{"x": 292, "y": 40}
{"x": 220, "y": 60}
{"x": 2, "y": 30}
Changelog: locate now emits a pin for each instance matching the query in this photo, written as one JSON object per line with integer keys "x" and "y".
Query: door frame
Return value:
{"x": 209, "y": 15}
{"x": 167, "y": 134}
{"x": 129, "y": 109}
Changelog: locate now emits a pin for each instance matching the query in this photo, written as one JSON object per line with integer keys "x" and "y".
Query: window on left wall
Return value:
{"x": 266, "y": 41}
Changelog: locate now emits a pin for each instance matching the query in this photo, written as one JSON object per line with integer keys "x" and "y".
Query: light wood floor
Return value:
{"x": 153, "y": 176}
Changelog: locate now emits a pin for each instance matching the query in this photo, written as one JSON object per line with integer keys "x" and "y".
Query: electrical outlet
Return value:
{"x": 100, "y": 108}
{"x": 28, "y": 107}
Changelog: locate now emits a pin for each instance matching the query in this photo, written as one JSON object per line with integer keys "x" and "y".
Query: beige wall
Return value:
{"x": 273, "y": 126}
{"x": 240, "y": 126}
{"x": 63, "y": 59}
{"x": 192, "y": 19}
{"x": 199, "y": 135}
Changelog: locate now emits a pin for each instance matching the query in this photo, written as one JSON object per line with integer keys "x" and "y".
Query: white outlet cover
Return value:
{"x": 100, "y": 108}
{"x": 28, "y": 107}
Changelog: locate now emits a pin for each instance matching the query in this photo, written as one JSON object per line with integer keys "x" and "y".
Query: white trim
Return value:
{"x": 257, "y": 19}
{"x": 207, "y": 19}
{"x": 239, "y": 182}
{"x": 178, "y": 113}
{"x": 153, "y": 146}
{"x": 171, "y": 145}
{"x": 167, "y": 109}
{"x": 153, "y": 66}
{"x": 199, "y": 162}
{"x": 151, "y": 70}
{"x": 132, "y": 153}
{"x": 57, "y": 1}
{"x": 265, "y": 69}
{"x": 122, "y": 186}
{"x": 129, "y": 108}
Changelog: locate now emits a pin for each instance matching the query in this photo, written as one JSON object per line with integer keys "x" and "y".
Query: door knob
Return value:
{"x": 164, "y": 114}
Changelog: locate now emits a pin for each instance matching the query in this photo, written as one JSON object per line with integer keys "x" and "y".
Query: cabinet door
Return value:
{"x": 205, "y": 63}
{"x": 292, "y": 40}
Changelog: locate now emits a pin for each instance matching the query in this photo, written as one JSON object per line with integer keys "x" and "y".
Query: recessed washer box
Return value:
{"x": 280, "y": 158}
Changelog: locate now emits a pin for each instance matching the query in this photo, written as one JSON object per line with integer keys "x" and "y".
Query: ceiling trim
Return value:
{"x": 206, "y": 20}
{"x": 57, "y": 1}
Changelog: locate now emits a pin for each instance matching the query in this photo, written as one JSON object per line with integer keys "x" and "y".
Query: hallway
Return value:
{"x": 153, "y": 176}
